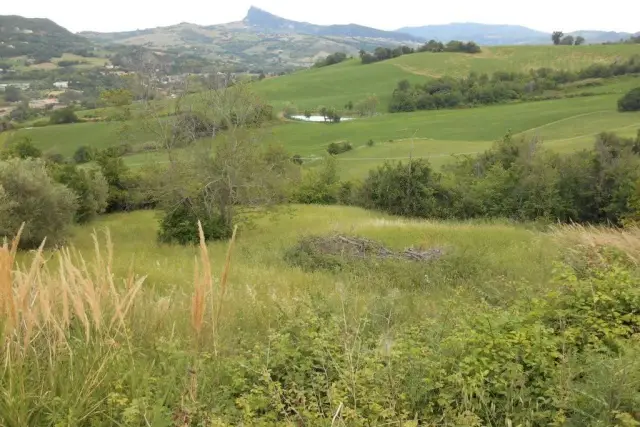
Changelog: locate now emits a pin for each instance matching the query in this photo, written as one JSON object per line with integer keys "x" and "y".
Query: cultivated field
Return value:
{"x": 351, "y": 81}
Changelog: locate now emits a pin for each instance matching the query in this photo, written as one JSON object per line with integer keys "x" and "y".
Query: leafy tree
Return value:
{"x": 557, "y": 37}
{"x": 567, "y": 40}
{"x": 579, "y": 41}
{"x": 630, "y": 101}
{"x": 336, "y": 148}
{"x": 64, "y": 116}
{"x": 90, "y": 187}
{"x": 12, "y": 94}
{"x": 31, "y": 196}
{"x": 116, "y": 97}
{"x": 308, "y": 114}
{"x": 367, "y": 106}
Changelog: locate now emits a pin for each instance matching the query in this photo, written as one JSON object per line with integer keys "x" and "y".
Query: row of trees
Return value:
{"x": 482, "y": 89}
{"x": 516, "y": 179}
{"x": 384, "y": 53}
{"x": 559, "y": 38}
{"x": 332, "y": 59}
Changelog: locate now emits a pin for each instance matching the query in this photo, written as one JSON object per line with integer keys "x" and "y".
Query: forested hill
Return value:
{"x": 39, "y": 39}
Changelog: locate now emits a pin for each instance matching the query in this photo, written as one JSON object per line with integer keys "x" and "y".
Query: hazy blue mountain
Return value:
{"x": 488, "y": 34}
{"x": 264, "y": 21}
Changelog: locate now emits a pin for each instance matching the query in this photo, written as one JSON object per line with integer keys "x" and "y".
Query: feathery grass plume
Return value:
{"x": 626, "y": 240}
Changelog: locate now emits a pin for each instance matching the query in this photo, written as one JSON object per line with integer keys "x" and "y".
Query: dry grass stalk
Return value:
{"x": 626, "y": 240}
{"x": 40, "y": 303}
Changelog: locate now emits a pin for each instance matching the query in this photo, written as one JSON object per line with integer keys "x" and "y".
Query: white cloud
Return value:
{"x": 122, "y": 15}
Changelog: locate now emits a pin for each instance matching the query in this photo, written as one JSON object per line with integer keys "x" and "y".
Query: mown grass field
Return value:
{"x": 351, "y": 81}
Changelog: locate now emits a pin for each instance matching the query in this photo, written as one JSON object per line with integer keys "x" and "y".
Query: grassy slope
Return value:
{"x": 350, "y": 81}
{"x": 515, "y": 252}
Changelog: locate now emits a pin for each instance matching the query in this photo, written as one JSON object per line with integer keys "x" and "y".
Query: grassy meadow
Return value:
{"x": 124, "y": 331}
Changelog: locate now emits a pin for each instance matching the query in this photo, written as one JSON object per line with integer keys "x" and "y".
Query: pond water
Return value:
{"x": 317, "y": 119}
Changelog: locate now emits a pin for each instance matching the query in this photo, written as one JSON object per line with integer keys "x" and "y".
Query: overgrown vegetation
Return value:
{"x": 516, "y": 179}
{"x": 332, "y": 59}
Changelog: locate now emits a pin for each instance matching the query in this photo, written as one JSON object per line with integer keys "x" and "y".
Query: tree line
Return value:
{"x": 517, "y": 179}
{"x": 559, "y": 38}
{"x": 501, "y": 86}
{"x": 384, "y": 53}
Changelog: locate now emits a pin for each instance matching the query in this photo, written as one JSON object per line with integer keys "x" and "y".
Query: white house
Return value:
{"x": 61, "y": 85}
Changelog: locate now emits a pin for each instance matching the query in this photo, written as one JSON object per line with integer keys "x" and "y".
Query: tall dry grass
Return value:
{"x": 625, "y": 240}
{"x": 54, "y": 292}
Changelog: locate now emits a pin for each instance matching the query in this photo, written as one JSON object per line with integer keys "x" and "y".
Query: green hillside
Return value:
{"x": 351, "y": 81}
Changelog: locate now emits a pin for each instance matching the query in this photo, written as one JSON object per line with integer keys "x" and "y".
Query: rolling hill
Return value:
{"x": 351, "y": 81}
{"x": 260, "y": 41}
{"x": 39, "y": 39}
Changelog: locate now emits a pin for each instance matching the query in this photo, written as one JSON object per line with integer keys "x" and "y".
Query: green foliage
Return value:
{"x": 22, "y": 148}
{"x": 516, "y": 179}
{"x": 556, "y": 37}
{"x": 384, "y": 53}
{"x": 83, "y": 154}
{"x": 31, "y": 196}
{"x": 90, "y": 187}
{"x": 319, "y": 185}
{"x": 123, "y": 194}
{"x": 630, "y": 101}
{"x": 336, "y": 148}
{"x": 180, "y": 225}
{"x": 410, "y": 189}
{"x": 64, "y": 116}
{"x": 371, "y": 143}
{"x": 12, "y": 94}
{"x": 332, "y": 59}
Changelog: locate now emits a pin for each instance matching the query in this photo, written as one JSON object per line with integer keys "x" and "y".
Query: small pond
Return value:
{"x": 318, "y": 119}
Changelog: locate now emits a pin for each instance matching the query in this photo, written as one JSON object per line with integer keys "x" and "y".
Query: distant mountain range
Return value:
{"x": 487, "y": 34}
{"x": 261, "y": 41}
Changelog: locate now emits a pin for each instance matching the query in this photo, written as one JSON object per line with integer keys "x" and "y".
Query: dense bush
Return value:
{"x": 22, "y": 148}
{"x": 320, "y": 185}
{"x": 31, "y": 196}
{"x": 516, "y": 179}
{"x": 90, "y": 187}
{"x": 64, "y": 116}
{"x": 180, "y": 225}
{"x": 83, "y": 154}
{"x": 630, "y": 101}
{"x": 124, "y": 186}
{"x": 336, "y": 148}
{"x": 410, "y": 189}
{"x": 482, "y": 89}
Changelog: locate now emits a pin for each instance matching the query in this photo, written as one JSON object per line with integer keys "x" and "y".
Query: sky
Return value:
{"x": 124, "y": 15}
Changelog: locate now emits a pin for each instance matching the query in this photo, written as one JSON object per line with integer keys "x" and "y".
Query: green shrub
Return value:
{"x": 180, "y": 225}
{"x": 22, "y": 148}
{"x": 64, "y": 116}
{"x": 83, "y": 155}
{"x": 319, "y": 185}
{"x": 336, "y": 148}
{"x": 370, "y": 143}
{"x": 410, "y": 189}
{"x": 31, "y": 196}
{"x": 90, "y": 187}
{"x": 630, "y": 101}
